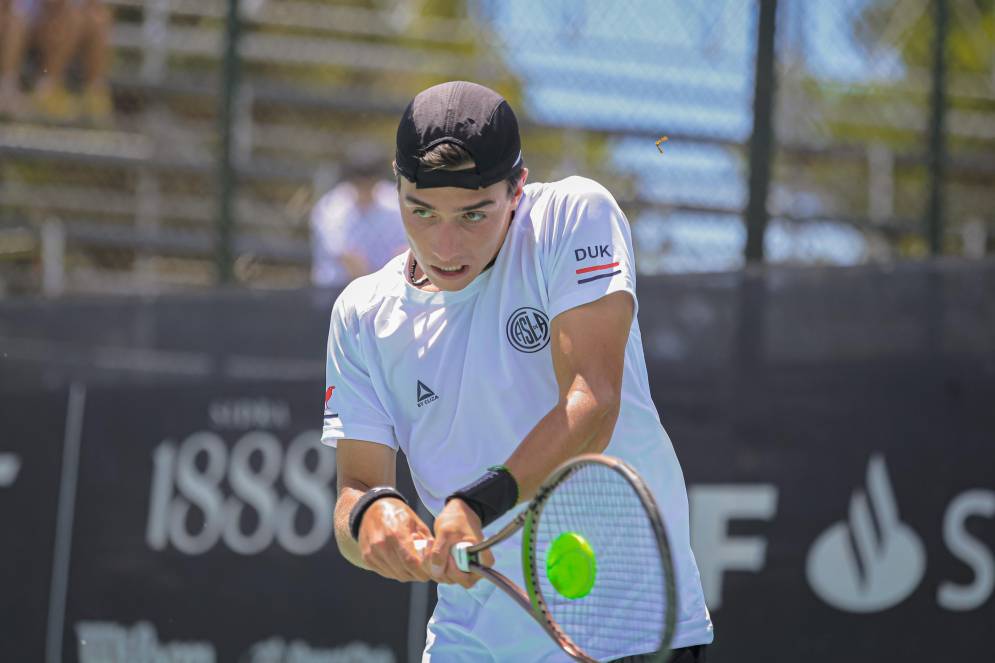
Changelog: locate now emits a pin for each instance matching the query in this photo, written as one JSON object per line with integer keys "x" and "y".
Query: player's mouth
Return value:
{"x": 450, "y": 272}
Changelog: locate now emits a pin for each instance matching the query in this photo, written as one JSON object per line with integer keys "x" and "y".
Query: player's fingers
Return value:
{"x": 378, "y": 559}
{"x": 406, "y": 567}
{"x": 486, "y": 558}
{"x": 466, "y": 580}
{"x": 426, "y": 563}
{"x": 388, "y": 558}
{"x": 416, "y": 552}
{"x": 421, "y": 544}
{"x": 438, "y": 560}
{"x": 451, "y": 575}
{"x": 411, "y": 559}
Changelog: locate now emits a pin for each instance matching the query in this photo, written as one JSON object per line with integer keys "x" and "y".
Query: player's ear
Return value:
{"x": 521, "y": 185}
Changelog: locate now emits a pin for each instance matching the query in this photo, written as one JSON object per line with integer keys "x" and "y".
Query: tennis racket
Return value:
{"x": 599, "y": 578}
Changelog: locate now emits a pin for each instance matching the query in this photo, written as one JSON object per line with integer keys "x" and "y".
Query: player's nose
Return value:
{"x": 448, "y": 247}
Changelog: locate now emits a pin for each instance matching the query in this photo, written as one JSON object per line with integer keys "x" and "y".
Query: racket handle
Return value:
{"x": 459, "y": 553}
{"x": 461, "y": 556}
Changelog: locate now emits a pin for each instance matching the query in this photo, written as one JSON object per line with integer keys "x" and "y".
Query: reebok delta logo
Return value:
{"x": 872, "y": 562}
{"x": 425, "y": 395}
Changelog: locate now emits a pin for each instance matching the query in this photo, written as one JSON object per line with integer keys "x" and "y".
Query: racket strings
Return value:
{"x": 626, "y": 609}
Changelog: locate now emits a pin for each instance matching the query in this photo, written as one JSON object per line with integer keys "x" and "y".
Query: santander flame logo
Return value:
{"x": 872, "y": 561}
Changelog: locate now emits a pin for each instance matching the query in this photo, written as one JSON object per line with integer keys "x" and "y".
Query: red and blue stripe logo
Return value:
{"x": 598, "y": 268}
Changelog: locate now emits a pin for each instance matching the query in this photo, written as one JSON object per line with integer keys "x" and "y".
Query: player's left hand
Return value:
{"x": 455, "y": 523}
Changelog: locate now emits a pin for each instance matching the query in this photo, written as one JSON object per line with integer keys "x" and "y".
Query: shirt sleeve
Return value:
{"x": 587, "y": 249}
{"x": 353, "y": 410}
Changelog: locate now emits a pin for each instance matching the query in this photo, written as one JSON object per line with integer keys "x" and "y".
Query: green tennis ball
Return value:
{"x": 571, "y": 565}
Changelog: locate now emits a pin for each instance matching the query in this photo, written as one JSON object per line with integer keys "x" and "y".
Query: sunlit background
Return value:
{"x": 135, "y": 205}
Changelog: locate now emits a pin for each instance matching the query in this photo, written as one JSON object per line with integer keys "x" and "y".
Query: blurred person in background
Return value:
{"x": 61, "y": 29}
{"x": 14, "y": 31}
{"x": 356, "y": 227}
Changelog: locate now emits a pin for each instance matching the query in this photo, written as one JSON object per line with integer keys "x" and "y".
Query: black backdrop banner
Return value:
{"x": 203, "y": 532}
{"x": 31, "y": 449}
{"x": 846, "y": 514}
{"x": 836, "y": 430}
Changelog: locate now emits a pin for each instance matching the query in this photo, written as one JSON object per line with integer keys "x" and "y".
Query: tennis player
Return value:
{"x": 503, "y": 343}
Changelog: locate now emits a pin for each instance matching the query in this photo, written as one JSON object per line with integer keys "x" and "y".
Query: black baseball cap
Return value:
{"x": 469, "y": 115}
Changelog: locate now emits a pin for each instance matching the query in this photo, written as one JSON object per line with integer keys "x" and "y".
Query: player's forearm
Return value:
{"x": 580, "y": 423}
{"x": 348, "y": 546}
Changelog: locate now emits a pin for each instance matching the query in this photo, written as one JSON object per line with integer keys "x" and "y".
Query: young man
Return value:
{"x": 505, "y": 338}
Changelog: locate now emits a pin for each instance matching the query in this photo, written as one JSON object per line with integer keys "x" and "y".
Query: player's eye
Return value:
{"x": 421, "y": 213}
{"x": 474, "y": 217}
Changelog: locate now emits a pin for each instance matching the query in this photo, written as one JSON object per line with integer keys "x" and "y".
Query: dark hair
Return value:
{"x": 450, "y": 156}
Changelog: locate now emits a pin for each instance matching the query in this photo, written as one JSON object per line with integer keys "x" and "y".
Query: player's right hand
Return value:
{"x": 386, "y": 541}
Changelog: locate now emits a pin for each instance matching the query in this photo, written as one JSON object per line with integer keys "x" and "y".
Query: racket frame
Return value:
{"x": 531, "y": 600}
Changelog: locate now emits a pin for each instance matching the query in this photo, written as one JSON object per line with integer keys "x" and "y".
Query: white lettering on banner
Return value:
{"x": 858, "y": 567}
{"x": 712, "y": 507}
{"x": 246, "y": 413}
{"x": 276, "y": 650}
{"x": 108, "y": 642}
{"x": 10, "y": 466}
{"x": 969, "y": 550}
{"x": 190, "y": 478}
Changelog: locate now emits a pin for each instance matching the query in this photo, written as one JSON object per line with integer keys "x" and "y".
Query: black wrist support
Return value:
{"x": 364, "y": 503}
{"x": 490, "y": 496}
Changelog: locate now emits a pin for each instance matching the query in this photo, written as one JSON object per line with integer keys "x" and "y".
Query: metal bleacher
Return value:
{"x": 133, "y": 206}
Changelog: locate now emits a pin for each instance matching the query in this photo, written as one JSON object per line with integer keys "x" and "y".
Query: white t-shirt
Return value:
{"x": 457, "y": 379}
{"x": 339, "y": 226}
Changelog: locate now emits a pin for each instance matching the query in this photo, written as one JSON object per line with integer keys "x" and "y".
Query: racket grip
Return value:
{"x": 459, "y": 553}
{"x": 461, "y": 556}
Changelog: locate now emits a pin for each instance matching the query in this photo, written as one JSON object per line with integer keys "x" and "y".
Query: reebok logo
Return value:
{"x": 873, "y": 561}
{"x": 10, "y": 466}
{"x": 425, "y": 395}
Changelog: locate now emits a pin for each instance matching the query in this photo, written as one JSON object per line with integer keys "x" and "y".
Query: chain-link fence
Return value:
{"x": 856, "y": 142}
{"x": 654, "y": 99}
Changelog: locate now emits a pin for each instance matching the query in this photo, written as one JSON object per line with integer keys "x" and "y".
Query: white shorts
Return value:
{"x": 483, "y": 625}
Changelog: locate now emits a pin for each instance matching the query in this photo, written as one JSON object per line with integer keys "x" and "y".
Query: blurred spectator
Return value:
{"x": 61, "y": 29}
{"x": 356, "y": 227}
{"x": 14, "y": 31}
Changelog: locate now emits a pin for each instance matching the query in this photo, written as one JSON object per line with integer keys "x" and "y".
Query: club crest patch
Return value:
{"x": 528, "y": 329}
